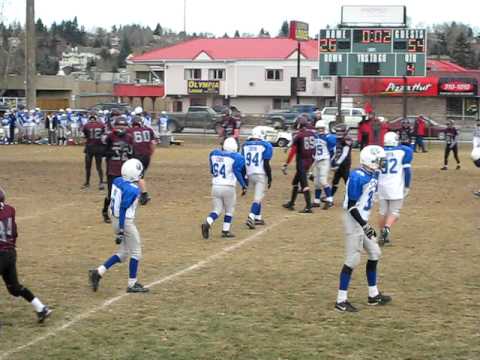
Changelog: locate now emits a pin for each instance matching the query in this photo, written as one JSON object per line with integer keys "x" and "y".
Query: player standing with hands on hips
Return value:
{"x": 257, "y": 154}
{"x": 227, "y": 167}
{"x": 359, "y": 234}
{"x": 451, "y": 144}
{"x": 123, "y": 204}
{"x": 393, "y": 183}
{"x": 8, "y": 259}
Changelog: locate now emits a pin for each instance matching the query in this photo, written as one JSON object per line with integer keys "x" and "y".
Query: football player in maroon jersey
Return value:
{"x": 143, "y": 149}
{"x": 303, "y": 150}
{"x": 8, "y": 259}
{"x": 93, "y": 132}
{"x": 119, "y": 144}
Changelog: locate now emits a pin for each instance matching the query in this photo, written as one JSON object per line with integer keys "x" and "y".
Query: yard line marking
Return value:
{"x": 115, "y": 299}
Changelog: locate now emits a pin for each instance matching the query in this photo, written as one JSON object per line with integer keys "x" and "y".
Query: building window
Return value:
{"x": 216, "y": 74}
{"x": 281, "y": 103}
{"x": 454, "y": 106}
{"x": 193, "y": 74}
{"x": 274, "y": 74}
{"x": 315, "y": 76}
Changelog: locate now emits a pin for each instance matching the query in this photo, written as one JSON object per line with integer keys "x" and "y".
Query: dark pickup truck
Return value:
{"x": 200, "y": 117}
{"x": 285, "y": 118}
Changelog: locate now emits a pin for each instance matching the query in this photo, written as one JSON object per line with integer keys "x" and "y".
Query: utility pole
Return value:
{"x": 30, "y": 62}
{"x": 184, "y": 17}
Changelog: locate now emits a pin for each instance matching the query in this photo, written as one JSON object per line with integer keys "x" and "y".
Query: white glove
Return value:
{"x": 406, "y": 191}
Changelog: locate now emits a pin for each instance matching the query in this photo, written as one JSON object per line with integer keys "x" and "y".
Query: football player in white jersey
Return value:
{"x": 324, "y": 151}
{"x": 475, "y": 156}
{"x": 393, "y": 183}
{"x": 227, "y": 167}
{"x": 257, "y": 154}
{"x": 123, "y": 205}
{"x": 361, "y": 188}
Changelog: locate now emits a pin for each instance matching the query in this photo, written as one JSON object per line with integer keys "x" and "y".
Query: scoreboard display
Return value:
{"x": 383, "y": 52}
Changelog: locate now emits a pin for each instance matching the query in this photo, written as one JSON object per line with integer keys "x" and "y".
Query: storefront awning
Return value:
{"x": 137, "y": 90}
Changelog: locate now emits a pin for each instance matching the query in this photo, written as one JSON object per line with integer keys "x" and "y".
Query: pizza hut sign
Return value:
{"x": 457, "y": 86}
{"x": 427, "y": 86}
{"x": 399, "y": 89}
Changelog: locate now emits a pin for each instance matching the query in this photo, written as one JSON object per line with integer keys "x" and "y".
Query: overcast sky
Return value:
{"x": 220, "y": 16}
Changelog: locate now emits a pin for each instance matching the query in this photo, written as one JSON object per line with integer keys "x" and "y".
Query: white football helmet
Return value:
{"x": 230, "y": 144}
{"x": 321, "y": 126}
{"x": 69, "y": 110}
{"x": 475, "y": 155}
{"x": 372, "y": 157}
{"x": 258, "y": 133}
{"x": 138, "y": 110}
{"x": 390, "y": 139}
{"x": 132, "y": 170}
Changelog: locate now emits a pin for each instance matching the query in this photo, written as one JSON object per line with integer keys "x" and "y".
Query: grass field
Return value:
{"x": 267, "y": 294}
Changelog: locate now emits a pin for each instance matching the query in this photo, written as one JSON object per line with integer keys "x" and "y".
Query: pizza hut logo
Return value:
{"x": 393, "y": 88}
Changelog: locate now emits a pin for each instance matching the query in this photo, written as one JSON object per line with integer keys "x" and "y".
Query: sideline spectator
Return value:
{"x": 451, "y": 144}
{"x": 420, "y": 132}
{"x": 364, "y": 130}
{"x": 230, "y": 126}
{"x": 406, "y": 134}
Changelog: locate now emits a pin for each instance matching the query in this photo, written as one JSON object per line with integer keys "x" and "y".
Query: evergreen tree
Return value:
{"x": 462, "y": 51}
{"x": 284, "y": 30}
{"x": 125, "y": 51}
{"x": 39, "y": 26}
{"x": 158, "y": 30}
{"x": 237, "y": 34}
{"x": 261, "y": 33}
{"x": 225, "y": 36}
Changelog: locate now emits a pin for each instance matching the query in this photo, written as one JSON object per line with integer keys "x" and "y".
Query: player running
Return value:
{"x": 342, "y": 160}
{"x": 143, "y": 149}
{"x": 94, "y": 147}
{"x": 359, "y": 234}
{"x": 303, "y": 149}
{"x": 118, "y": 150}
{"x": 8, "y": 259}
{"x": 227, "y": 167}
{"x": 393, "y": 184}
{"x": 125, "y": 194}
{"x": 324, "y": 150}
{"x": 257, "y": 153}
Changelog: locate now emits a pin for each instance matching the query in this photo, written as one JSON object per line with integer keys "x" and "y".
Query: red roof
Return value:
{"x": 232, "y": 49}
{"x": 134, "y": 90}
{"x": 443, "y": 65}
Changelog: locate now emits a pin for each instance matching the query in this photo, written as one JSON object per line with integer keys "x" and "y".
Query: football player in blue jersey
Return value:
{"x": 393, "y": 183}
{"x": 257, "y": 154}
{"x": 324, "y": 152}
{"x": 227, "y": 167}
{"x": 123, "y": 205}
{"x": 361, "y": 188}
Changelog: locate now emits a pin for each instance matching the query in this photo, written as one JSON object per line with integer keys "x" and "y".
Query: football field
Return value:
{"x": 267, "y": 294}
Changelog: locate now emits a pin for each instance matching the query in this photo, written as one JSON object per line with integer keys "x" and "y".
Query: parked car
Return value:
{"x": 220, "y": 109}
{"x": 433, "y": 129}
{"x": 123, "y": 107}
{"x": 351, "y": 116}
{"x": 282, "y": 119}
{"x": 276, "y": 137}
{"x": 200, "y": 117}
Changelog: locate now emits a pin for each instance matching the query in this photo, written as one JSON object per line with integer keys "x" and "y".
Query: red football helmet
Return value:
{"x": 120, "y": 126}
{"x": 301, "y": 122}
{"x": 137, "y": 121}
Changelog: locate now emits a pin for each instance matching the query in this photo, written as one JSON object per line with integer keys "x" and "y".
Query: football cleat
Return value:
{"x": 250, "y": 223}
{"x": 327, "y": 205}
{"x": 137, "y": 288}
{"x": 101, "y": 186}
{"x": 94, "y": 279}
{"x": 144, "y": 199}
{"x": 289, "y": 206}
{"x": 458, "y": 167}
{"x": 85, "y": 186}
{"x": 315, "y": 205}
{"x": 306, "y": 211}
{"x": 444, "y": 168}
{"x": 205, "y": 230}
{"x": 42, "y": 315}
{"x": 227, "y": 234}
{"x": 345, "y": 306}
{"x": 262, "y": 222}
{"x": 380, "y": 299}
{"x": 477, "y": 193}
{"x": 106, "y": 218}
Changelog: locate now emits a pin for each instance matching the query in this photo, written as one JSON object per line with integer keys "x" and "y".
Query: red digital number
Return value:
{"x": 387, "y": 37}
{"x": 378, "y": 36}
{"x": 328, "y": 45}
{"x": 366, "y": 36}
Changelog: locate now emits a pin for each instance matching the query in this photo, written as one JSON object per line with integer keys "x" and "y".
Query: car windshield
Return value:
{"x": 302, "y": 108}
{"x": 332, "y": 111}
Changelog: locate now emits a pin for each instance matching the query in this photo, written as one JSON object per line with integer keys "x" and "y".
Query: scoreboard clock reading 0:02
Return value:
{"x": 372, "y": 52}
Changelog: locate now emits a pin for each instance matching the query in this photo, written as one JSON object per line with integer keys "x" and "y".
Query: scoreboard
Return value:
{"x": 383, "y": 52}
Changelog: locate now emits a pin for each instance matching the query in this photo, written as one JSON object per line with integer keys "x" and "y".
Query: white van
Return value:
{"x": 352, "y": 116}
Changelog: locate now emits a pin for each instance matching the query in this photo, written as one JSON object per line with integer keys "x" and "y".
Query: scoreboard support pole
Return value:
{"x": 339, "y": 119}
{"x": 298, "y": 72}
{"x": 405, "y": 97}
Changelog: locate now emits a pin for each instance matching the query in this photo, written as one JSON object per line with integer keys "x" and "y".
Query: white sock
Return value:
{"x": 132, "y": 282}
{"x": 37, "y": 305}
{"x": 316, "y": 201}
{"x": 342, "y": 296}
{"x": 258, "y": 217}
{"x": 251, "y": 216}
{"x": 210, "y": 221}
{"x": 373, "y": 291}
{"x": 226, "y": 226}
{"x": 329, "y": 199}
{"x": 102, "y": 270}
